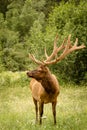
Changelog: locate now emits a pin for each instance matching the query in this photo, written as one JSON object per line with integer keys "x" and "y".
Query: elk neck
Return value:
{"x": 48, "y": 83}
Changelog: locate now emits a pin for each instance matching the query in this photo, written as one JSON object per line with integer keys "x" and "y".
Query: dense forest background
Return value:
{"x": 27, "y": 26}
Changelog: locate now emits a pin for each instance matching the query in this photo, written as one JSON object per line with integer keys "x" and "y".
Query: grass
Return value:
{"x": 17, "y": 109}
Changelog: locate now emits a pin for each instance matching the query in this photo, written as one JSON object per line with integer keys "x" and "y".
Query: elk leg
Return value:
{"x": 54, "y": 111}
{"x": 41, "y": 111}
{"x": 36, "y": 109}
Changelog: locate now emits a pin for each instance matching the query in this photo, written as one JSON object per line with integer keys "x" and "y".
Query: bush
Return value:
{"x": 13, "y": 79}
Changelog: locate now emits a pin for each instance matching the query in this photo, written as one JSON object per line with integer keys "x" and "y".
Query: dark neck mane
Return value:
{"x": 48, "y": 84}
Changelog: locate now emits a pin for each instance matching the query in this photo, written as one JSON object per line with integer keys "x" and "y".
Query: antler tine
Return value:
{"x": 68, "y": 45}
{"x": 76, "y": 42}
{"x": 54, "y": 48}
{"x": 46, "y": 55}
{"x": 48, "y": 58}
{"x": 62, "y": 46}
{"x": 55, "y": 41}
{"x": 75, "y": 47}
{"x": 32, "y": 57}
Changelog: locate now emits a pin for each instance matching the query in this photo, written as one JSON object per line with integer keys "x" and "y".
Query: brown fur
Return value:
{"x": 45, "y": 89}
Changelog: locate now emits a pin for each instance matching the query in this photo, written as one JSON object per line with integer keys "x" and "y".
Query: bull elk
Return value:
{"x": 44, "y": 85}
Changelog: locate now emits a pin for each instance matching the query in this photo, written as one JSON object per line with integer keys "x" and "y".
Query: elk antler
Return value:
{"x": 55, "y": 50}
{"x": 32, "y": 57}
{"x": 68, "y": 48}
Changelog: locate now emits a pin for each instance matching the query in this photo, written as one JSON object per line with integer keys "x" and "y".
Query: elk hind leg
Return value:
{"x": 54, "y": 111}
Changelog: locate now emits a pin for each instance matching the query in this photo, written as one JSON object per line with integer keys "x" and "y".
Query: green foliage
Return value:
{"x": 36, "y": 42}
{"x": 12, "y": 57}
{"x": 27, "y": 26}
{"x": 80, "y": 67}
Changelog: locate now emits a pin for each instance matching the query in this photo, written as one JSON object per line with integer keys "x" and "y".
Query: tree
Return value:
{"x": 22, "y": 18}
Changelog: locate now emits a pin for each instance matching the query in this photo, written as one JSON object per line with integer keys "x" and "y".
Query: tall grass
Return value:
{"x": 17, "y": 109}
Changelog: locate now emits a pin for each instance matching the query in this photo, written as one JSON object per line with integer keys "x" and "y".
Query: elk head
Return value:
{"x": 39, "y": 73}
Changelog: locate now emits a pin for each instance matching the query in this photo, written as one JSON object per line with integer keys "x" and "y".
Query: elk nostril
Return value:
{"x": 29, "y": 74}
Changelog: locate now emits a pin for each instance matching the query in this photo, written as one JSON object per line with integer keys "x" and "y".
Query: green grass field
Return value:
{"x": 17, "y": 109}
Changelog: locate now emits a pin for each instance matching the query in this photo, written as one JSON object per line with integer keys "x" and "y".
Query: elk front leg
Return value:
{"x": 41, "y": 105}
{"x": 54, "y": 111}
{"x": 36, "y": 109}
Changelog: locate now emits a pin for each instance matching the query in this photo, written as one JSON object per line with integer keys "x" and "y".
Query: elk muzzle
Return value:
{"x": 29, "y": 74}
